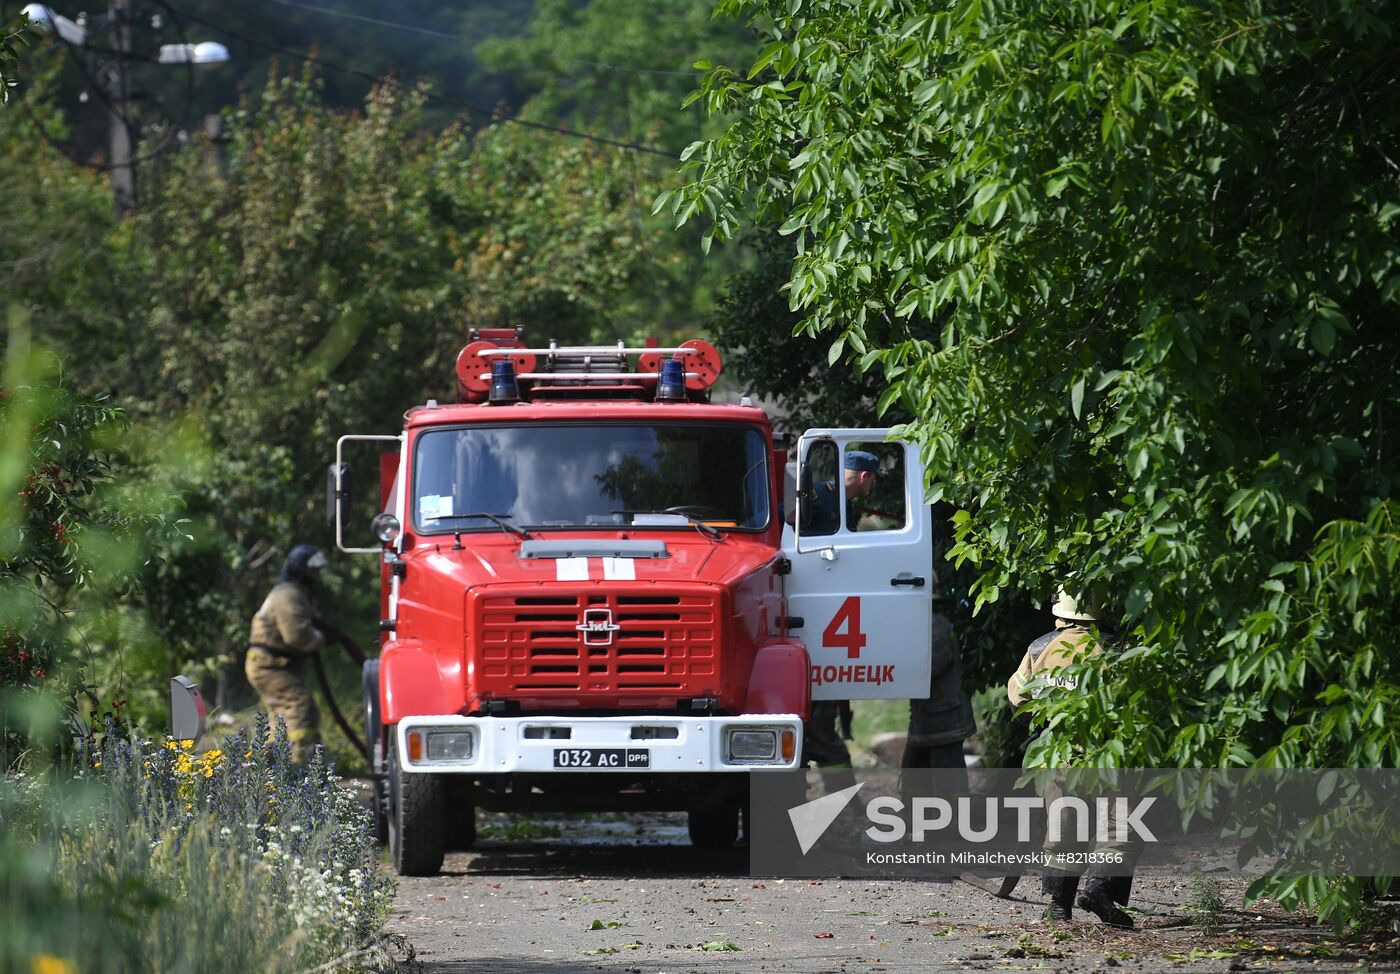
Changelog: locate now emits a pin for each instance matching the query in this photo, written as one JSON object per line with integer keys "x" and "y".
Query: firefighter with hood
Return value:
{"x": 283, "y": 637}
{"x": 1041, "y": 671}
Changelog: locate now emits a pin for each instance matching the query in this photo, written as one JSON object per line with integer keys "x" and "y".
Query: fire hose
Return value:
{"x": 334, "y": 635}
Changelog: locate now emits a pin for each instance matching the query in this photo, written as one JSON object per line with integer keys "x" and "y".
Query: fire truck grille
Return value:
{"x": 625, "y": 644}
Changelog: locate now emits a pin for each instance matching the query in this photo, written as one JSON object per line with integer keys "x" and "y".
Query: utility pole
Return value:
{"x": 114, "y": 79}
{"x": 123, "y": 124}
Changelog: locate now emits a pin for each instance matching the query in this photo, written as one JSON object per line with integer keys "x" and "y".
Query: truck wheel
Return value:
{"x": 417, "y": 837}
{"x": 714, "y": 826}
{"x": 375, "y": 745}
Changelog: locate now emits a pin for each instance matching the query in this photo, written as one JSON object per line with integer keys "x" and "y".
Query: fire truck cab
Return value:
{"x": 603, "y": 591}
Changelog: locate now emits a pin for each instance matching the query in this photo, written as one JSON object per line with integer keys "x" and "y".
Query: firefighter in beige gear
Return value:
{"x": 283, "y": 637}
{"x": 1041, "y": 671}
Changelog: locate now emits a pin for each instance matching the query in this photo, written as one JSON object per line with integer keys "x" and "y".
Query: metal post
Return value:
{"x": 123, "y": 123}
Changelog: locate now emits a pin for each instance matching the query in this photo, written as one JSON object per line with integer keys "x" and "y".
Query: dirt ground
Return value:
{"x": 629, "y": 894}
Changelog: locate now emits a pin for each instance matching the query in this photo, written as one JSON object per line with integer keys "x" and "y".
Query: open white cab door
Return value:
{"x": 862, "y": 566}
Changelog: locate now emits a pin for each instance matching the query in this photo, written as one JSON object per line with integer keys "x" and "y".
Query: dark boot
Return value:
{"x": 1122, "y": 888}
{"x": 1060, "y": 888}
{"x": 1097, "y": 898}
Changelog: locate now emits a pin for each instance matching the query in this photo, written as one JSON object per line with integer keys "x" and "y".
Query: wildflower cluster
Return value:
{"x": 263, "y": 864}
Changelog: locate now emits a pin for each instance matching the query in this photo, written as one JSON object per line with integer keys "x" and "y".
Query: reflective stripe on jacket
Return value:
{"x": 1051, "y": 652}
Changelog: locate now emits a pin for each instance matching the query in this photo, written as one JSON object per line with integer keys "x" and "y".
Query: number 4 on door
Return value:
{"x": 852, "y": 640}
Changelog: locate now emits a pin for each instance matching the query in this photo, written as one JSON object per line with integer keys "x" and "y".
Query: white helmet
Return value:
{"x": 1067, "y": 607}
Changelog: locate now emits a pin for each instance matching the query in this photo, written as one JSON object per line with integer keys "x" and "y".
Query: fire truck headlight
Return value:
{"x": 457, "y": 745}
{"x": 753, "y": 745}
{"x": 386, "y": 527}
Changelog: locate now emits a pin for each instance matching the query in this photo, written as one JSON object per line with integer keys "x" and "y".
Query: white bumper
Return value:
{"x": 562, "y": 745}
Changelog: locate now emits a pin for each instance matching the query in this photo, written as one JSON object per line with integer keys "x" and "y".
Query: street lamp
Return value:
{"x": 45, "y": 19}
{"x": 206, "y": 52}
{"x": 122, "y": 131}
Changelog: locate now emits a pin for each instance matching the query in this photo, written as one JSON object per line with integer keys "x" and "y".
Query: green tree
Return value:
{"x": 1133, "y": 269}
{"x": 618, "y": 67}
{"x": 319, "y": 281}
{"x": 84, "y": 513}
{"x": 11, "y": 37}
{"x": 622, "y": 70}
{"x": 555, "y": 235}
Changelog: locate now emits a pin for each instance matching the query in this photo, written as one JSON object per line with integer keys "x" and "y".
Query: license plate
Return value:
{"x": 603, "y": 758}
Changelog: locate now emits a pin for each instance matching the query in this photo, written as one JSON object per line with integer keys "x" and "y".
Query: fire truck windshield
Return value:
{"x": 591, "y": 476}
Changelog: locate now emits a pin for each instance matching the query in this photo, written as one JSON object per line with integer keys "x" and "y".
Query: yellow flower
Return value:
{"x": 49, "y": 964}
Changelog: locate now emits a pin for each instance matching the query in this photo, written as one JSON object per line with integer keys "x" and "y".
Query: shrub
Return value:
{"x": 155, "y": 858}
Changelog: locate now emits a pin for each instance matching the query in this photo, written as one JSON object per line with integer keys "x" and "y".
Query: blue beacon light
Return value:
{"x": 504, "y": 388}
{"x": 670, "y": 386}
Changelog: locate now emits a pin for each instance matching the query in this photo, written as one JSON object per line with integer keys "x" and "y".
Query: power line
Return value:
{"x": 392, "y": 25}
{"x": 625, "y": 68}
{"x": 466, "y": 106}
{"x": 446, "y": 35}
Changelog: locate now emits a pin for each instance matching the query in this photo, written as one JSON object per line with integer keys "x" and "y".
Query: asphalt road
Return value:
{"x": 629, "y": 894}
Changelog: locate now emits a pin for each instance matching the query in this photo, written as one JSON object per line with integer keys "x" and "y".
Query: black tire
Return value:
{"x": 417, "y": 830}
{"x": 375, "y": 744}
{"x": 715, "y": 827}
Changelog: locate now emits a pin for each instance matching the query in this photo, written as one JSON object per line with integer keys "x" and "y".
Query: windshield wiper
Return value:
{"x": 501, "y": 519}
{"x": 706, "y": 530}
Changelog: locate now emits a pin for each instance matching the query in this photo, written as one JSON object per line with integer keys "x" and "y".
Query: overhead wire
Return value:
{"x": 432, "y": 96}
{"x": 121, "y": 112}
{"x": 447, "y": 35}
{"x": 362, "y": 18}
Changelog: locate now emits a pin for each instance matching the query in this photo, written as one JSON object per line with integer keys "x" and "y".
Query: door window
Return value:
{"x": 854, "y": 487}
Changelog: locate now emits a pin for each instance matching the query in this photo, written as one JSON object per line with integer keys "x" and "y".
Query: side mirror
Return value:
{"x": 337, "y": 494}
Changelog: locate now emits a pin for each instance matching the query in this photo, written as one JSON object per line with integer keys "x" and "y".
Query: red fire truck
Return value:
{"x": 597, "y": 596}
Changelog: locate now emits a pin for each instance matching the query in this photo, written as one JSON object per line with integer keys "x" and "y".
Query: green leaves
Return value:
{"x": 1132, "y": 269}
{"x": 12, "y": 37}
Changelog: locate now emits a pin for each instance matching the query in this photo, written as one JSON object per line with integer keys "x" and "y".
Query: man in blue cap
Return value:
{"x": 860, "y": 471}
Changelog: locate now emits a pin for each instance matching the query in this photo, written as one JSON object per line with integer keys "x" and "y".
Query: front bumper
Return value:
{"x": 506, "y": 745}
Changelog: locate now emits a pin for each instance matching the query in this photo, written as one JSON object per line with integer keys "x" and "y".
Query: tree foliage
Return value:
{"x": 1133, "y": 270}
{"x": 619, "y": 67}
{"x": 622, "y": 70}
{"x": 12, "y": 36}
{"x": 84, "y": 512}
{"x": 318, "y": 281}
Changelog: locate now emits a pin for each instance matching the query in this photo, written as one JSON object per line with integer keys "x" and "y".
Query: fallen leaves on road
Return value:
{"x": 720, "y": 945}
